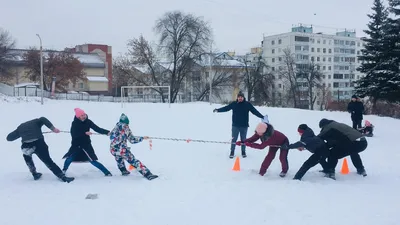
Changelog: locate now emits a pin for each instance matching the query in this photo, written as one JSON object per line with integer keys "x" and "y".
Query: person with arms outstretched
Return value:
{"x": 240, "y": 120}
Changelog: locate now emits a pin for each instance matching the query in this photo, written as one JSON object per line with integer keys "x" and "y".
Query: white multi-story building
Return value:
{"x": 335, "y": 55}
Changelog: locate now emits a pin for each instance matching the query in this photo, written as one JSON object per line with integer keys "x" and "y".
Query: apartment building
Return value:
{"x": 335, "y": 55}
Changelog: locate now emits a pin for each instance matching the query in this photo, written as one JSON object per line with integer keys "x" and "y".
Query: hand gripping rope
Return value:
{"x": 176, "y": 139}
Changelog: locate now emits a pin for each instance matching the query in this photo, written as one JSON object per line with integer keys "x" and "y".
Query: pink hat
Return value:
{"x": 261, "y": 128}
{"x": 79, "y": 112}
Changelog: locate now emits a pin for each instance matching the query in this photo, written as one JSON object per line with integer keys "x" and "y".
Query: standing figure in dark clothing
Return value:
{"x": 356, "y": 108}
{"x": 240, "y": 120}
{"x": 343, "y": 141}
{"x": 273, "y": 138}
{"x": 81, "y": 149}
{"x": 313, "y": 144}
{"x": 33, "y": 143}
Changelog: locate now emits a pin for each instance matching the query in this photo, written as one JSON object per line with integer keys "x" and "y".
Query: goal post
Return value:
{"x": 145, "y": 94}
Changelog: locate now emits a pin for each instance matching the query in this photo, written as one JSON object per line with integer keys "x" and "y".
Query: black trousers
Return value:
{"x": 357, "y": 123}
{"x": 42, "y": 151}
{"x": 319, "y": 156}
{"x": 352, "y": 150}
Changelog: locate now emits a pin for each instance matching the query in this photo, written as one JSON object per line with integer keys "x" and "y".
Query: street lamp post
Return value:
{"x": 41, "y": 69}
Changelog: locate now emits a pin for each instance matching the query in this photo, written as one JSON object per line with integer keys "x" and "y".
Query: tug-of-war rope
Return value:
{"x": 173, "y": 139}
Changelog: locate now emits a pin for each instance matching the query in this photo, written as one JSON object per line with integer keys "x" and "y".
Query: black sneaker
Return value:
{"x": 232, "y": 155}
{"x": 244, "y": 154}
{"x": 67, "y": 179}
{"x": 36, "y": 176}
{"x": 125, "y": 173}
{"x": 330, "y": 175}
{"x": 362, "y": 172}
{"x": 108, "y": 174}
{"x": 150, "y": 176}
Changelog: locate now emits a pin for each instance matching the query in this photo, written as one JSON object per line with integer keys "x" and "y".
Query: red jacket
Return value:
{"x": 277, "y": 138}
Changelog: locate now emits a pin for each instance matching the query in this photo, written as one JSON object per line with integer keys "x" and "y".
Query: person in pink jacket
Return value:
{"x": 273, "y": 138}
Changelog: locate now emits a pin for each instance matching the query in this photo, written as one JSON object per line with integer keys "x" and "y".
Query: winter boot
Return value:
{"x": 330, "y": 175}
{"x": 282, "y": 174}
{"x": 150, "y": 176}
{"x": 67, "y": 179}
{"x": 124, "y": 171}
{"x": 244, "y": 154}
{"x": 36, "y": 176}
{"x": 232, "y": 154}
{"x": 362, "y": 172}
{"x": 108, "y": 174}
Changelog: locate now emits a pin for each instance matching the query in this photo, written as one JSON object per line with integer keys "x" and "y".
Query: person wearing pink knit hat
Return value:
{"x": 81, "y": 149}
{"x": 273, "y": 138}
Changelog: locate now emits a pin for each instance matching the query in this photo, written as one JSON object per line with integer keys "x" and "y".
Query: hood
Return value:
{"x": 308, "y": 133}
{"x": 78, "y": 120}
{"x": 324, "y": 122}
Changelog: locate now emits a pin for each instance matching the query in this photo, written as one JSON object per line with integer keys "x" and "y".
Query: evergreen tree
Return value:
{"x": 392, "y": 40}
{"x": 374, "y": 63}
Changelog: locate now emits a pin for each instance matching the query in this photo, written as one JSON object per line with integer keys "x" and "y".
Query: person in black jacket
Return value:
{"x": 313, "y": 144}
{"x": 81, "y": 149}
{"x": 356, "y": 108}
{"x": 343, "y": 141}
{"x": 33, "y": 143}
{"x": 240, "y": 120}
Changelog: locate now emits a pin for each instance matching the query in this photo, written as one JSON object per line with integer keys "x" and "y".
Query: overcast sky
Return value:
{"x": 237, "y": 25}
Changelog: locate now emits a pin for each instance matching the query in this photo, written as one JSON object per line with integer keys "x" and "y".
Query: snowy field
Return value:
{"x": 196, "y": 183}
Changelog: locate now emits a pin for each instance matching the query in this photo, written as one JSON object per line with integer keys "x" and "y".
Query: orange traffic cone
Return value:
{"x": 131, "y": 167}
{"x": 236, "y": 166}
{"x": 345, "y": 167}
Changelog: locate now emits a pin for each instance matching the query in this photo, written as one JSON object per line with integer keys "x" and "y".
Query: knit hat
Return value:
{"x": 354, "y": 96}
{"x": 302, "y": 128}
{"x": 240, "y": 94}
{"x": 261, "y": 128}
{"x": 79, "y": 112}
{"x": 123, "y": 119}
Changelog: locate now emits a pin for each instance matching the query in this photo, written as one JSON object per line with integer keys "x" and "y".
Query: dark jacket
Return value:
{"x": 270, "y": 137}
{"x": 30, "y": 130}
{"x": 356, "y": 109}
{"x": 81, "y": 145}
{"x": 338, "y": 134}
{"x": 309, "y": 141}
{"x": 240, "y": 112}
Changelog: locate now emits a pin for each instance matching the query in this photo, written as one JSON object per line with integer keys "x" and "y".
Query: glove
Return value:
{"x": 285, "y": 146}
{"x": 239, "y": 143}
{"x": 248, "y": 144}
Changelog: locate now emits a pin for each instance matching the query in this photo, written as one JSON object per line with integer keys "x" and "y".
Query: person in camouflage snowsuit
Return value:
{"x": 119, "y": 137}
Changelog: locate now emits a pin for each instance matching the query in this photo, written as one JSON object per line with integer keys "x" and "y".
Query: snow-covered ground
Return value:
{"x": 196, "y": 184}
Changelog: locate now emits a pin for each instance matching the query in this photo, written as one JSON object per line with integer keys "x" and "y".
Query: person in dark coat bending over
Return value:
{"x": 33, "y": 143}
{"x": 240, "y": 120}
{"x": 313, "y": 144}
{"x": 343, "y": 141}
{"x": 81, "y": 149}
{"x": 356, "y": 108}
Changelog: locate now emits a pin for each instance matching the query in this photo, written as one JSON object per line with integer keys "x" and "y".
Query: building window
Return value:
{"x": 335, "y": 84}
{"x": 318, "y": 50}
{"x": 330, "y": 50}
{"x": 272, "y": 42}
{"x": 273, "y": 60}
{"x": 329, "y": 67}
{"x": 312, "y": 49}
{"x": 324, "y": 68}
{"x": 318, "y": 59}
{"x": 280, "y": 41}
{"x": 273, "y": 51}
{"x": 324, "y": 50}
{"x": 324, "y": 42}
{"x": 301, "y": 39}
{"x": 81, "y": 85}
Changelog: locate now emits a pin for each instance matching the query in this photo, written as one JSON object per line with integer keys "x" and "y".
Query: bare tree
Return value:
{"x": 325, "y": 96}
{"x": 7, "y": 42}
{"x": 63, "y": 65}
{"x": 141, "y": 55}
{"x": 288, "y": 73}
{"x": 312, "y": 76}
{"x": 183, "y": 37}
{"x": 255, "y": 76}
